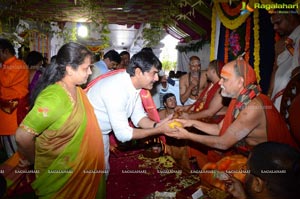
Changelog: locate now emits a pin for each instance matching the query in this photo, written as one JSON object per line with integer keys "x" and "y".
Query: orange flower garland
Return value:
{"x": 232, "y": 24}
{"x": 231, "y": 11}
{"x": 247, "y": 39}
{"x": 226, "y": 45}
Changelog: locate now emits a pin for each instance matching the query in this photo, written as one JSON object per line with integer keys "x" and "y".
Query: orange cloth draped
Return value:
{"x": 205, "y": 97}
{"x": 14, "y": 81}
{"x": 150, "y": 108}
{"x": 249, "y": 76}
{"x": 79, "y": 177}
{"x": 246, "y": 71}
{"x": 276, "y": 127}
{"x": 79, "y": 148}
{"x": 231, "y": 163}
{"x": 149, "y": 105}
{"x": 228, "y": 119}
{"x": 193, "y": 149}
{"x": 94, "y": 81}
{"x": 277, "y": 130}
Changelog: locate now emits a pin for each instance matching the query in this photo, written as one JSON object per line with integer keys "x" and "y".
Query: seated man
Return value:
{"x": 209, "y": 104}
{"x": 170, "y": 103}
{"x": 173, "y": 147}
{"x": 250, "y": 119}
{"x": 274, "y": 173}
{"x": 192, "y": 83}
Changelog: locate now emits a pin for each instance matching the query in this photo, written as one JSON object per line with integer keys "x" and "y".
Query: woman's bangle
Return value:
{"x": 154, "y": 125}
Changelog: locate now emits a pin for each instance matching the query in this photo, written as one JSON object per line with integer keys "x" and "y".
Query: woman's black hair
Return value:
{"x": 70, "y": 54}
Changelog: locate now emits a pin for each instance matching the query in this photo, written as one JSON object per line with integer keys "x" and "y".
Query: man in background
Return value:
{"x": 250, "y": 119}
{"x": 14, "y": 82}
{"x": 125, "y": 58}
{"x": 192, "y": 83}
{"x": 287, "y": 26}
{"x": 274, "y": 173}
{"x": 110, "y": 62}
{"x": 209, "y": 104}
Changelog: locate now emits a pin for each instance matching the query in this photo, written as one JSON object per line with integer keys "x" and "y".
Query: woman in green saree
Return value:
{"x": 60, "y": 134}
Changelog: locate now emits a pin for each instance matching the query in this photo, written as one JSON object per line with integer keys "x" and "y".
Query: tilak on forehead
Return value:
{"x": 244, "y": 70}
{"x": 225, "y": 74}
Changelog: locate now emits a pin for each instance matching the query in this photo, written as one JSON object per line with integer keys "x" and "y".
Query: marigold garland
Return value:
{"x": 230, "y": 23}
{"x": 247, "y": 39}
{"x": 234, "y": 24}
{"x": 231, "y": 11}
{"x": 256, "y": 44}
{"x": 226, "y": 45}
{"x": 213, "y": 34}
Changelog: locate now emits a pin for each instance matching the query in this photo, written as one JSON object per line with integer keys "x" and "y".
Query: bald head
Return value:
{"x": 241, "y": 68}
{"x": 235, "y": 76}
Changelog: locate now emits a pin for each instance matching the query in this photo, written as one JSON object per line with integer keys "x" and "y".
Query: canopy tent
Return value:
{"x": 124, "y": 19}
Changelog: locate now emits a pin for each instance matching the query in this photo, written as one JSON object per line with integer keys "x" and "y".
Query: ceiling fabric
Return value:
{"x": 195, "y": 26}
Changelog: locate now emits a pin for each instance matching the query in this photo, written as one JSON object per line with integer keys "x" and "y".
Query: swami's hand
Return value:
{"x": 235, "y": 187}
{"x": 185, "y": 122}
{"x": 184, "y": 115}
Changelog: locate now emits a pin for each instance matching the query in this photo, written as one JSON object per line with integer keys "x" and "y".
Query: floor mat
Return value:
{"x": 135, "y": 176}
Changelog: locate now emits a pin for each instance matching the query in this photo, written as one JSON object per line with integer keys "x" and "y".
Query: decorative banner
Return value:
{"x": 230, "y": 23}
{"x": 237, "y": 32}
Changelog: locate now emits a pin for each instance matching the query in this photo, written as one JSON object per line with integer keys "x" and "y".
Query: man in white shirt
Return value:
{"x": 287, "y": 25}
{"x": 116, "y": 98}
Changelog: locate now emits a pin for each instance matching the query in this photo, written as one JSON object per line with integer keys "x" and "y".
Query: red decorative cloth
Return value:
{"x": 205, "y": 97}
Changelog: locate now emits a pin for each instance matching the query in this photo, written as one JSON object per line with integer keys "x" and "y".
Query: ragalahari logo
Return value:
{"x": 246, "y": 8}
{"x": 283, "y": 8}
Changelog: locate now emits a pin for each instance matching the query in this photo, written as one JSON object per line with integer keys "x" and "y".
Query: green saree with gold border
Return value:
{"x": 68, "y": 147}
